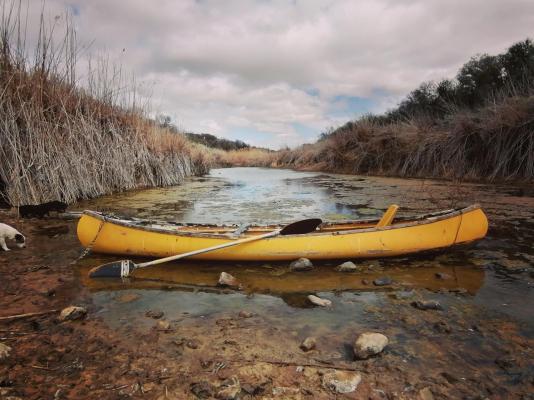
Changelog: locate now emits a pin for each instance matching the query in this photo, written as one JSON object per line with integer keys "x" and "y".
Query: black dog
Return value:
{"x": 41, "y": 210}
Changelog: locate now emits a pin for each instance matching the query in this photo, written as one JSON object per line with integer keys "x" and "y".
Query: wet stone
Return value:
{"x": 427, "y": 305}
{"x": 318, "y": 301}
{"x": 302, "y": 264}
{"x": 308, "y": 344}
{"x": 347, "y": 266}
{"x": 225, "y": 279}
{"x": 405, "y": 294}
{"x": 245, "y": 314}
{"x": 383, "y": 281}
{"x": 72, "y": 313}
{"x": 341, "y": 381}
{"x": 369, "y": 344}
{"x": 156, "y": 314}
{"x": 164, "y": 325}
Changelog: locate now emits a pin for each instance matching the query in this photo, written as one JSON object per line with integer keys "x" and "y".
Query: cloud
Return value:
{"x": 274, "y": 71}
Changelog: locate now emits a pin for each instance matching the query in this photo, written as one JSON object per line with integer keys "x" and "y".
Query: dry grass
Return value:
{"x": 495, "y": 142}
{"x": 59, "y": 141}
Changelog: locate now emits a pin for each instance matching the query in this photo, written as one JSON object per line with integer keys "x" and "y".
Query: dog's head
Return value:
{"x": 20, "y": 240}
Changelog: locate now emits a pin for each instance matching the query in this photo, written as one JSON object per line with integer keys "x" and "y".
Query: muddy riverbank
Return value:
{"x": 172, "y": 333}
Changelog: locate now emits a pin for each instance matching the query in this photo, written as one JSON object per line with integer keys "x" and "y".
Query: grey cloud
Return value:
{"x": 220, "y": 65}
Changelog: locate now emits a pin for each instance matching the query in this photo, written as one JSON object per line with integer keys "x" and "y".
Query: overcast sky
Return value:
{"x": 276, "y": 73}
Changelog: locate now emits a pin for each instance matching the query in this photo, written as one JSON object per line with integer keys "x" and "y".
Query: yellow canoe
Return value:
{"x": 342, "y": 240}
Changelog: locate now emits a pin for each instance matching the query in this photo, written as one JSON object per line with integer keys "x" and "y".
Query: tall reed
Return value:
{"x": 60, "y": 140}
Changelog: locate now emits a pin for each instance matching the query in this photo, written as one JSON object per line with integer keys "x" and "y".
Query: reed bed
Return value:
{"x": 60, "y": 140}
{"x": 493, "y": 143}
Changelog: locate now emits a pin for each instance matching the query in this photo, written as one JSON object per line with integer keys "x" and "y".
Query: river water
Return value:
{"x": 488, "y": 285}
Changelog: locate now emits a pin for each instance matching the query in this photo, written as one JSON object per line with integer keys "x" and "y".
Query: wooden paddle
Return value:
{"x": 123, "y": 268}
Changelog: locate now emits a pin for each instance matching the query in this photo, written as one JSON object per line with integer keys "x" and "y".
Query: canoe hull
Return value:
{"x": 118, "y": 237}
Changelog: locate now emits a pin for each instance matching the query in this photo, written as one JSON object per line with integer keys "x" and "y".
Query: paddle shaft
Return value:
{"x": 208, "y": 249}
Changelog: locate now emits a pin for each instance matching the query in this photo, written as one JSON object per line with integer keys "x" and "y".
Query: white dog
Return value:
{"x": 10, "y": 233}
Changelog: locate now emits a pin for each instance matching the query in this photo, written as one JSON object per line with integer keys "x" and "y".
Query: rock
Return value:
{"x": 365, "y": 282}
{"x": 229, "y": 390}
{"x": 156, "y": 314}
{"x": 228, "y": 280}
{"x": 341, "y": 381}
{"x": 4, "y": 351}
{"x": 442, "y": 275}
{"x": 302, "y": 264}
{"x": 442, "y": 327}
{"x": 308, "y": 344}
{"x": 383, "y": 281}
{"x": 369, "y": 344}
{"x": 318, "y": 301}
{"x": 347, "y": 266}
{"x": 404, "y": 294}
{"x": 72, "y": 313}
{"x": 245, "y": 314}
{"x": 202, "y": 389}
{"x": 426, "y": 305}
{"x": 164, "y": 325}
{"x": 425, "y": 394}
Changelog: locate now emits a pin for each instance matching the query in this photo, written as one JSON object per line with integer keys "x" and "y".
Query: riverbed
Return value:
{"x": 478, "y": 344}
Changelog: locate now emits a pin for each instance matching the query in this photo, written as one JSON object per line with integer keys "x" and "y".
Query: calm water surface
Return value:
{"x": 494, "y": 276}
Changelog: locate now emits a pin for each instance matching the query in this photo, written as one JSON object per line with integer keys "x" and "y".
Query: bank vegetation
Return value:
{"x": 477, "y": 126}
{"x": 65, "y": 140}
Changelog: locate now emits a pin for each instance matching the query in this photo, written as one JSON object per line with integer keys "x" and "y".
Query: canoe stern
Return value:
{"x": 473, "y": 226}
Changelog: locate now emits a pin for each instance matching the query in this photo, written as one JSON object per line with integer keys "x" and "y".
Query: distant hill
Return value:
{"x": 217, "y": 143}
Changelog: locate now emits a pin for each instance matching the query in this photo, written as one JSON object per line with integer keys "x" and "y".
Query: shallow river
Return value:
{"x": 492, "y": 278}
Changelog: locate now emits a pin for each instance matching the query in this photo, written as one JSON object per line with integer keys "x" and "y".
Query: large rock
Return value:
{"x": 369, "y": 344}
{"x": 4, "y": 351}
{"x": 347, "y": 266}
{"x": 228, "y": 280}
{"x": 71, "y": 313}
{"x": 318, "y": 301}
{"x": 302, "y": 264}
{"x": 341, "y": 381}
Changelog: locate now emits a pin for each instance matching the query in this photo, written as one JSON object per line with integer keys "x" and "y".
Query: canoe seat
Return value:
{"x": 388, "y": 216}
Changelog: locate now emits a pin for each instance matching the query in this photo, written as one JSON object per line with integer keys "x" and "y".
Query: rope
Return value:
{"x": 88, "y": 249}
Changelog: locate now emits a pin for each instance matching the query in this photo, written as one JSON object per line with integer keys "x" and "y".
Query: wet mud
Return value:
{"x": 171, "y": 332}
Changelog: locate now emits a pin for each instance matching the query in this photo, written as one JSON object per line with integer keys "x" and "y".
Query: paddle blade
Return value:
{"x": 301, "y": 227}
{"x": 116, "y": 269}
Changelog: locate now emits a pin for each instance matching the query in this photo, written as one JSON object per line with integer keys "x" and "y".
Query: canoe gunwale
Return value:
{"x": 422, "y": 220}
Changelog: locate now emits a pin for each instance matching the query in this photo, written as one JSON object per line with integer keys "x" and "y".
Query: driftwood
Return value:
{"x": 27, "y": 315}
